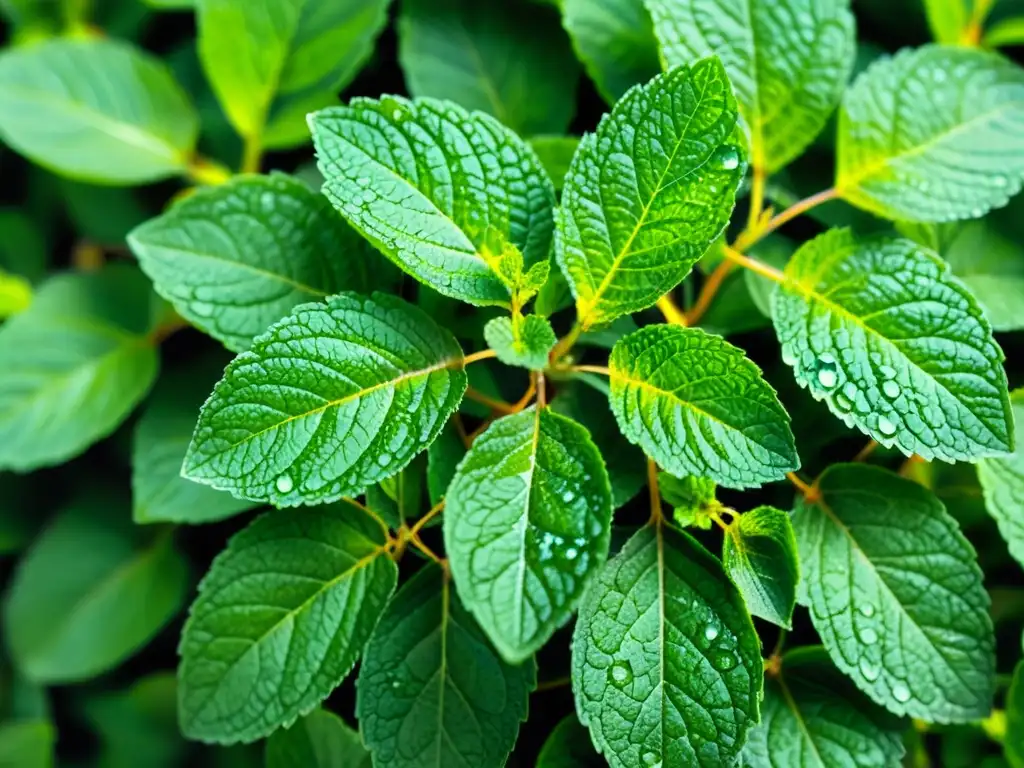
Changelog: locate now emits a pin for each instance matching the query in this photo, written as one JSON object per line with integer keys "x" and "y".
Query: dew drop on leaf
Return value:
{"x": 570, "y": 554}
{"x": 384, "y": 459}
{"x": 869, "y": 636}
{"x": 727, "y": 157}
{"x": 620, "y": 674}
{"x": 891, "y": 389}
{"x": 867, "y": 610}
{"x": 284, "y": 484}
{"x": 711, "y": 632}
{"x": 887, "y": 371}
{"x": 202, "y": 308}
{"x": 869, "y": 670}
{"x": 568, "y": 496}
{"x": 827, "y": 378}
{"x": 723, "y": 662}
{"x": 885, "y": 426}
{"x": 651, "y": 760}
{"x": 901, "y": 693}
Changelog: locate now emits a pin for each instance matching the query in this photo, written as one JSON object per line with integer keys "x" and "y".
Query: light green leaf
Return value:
{"x": 235, "y": 258}
{"x": 649, "y": 192}
{"x": 759, "y": 553}
{"x": 666, "y": 666}
{"x": 97, "y": 109}
{"x": 521, "y": 341}
{"x": 321, "y": 739}
{"x": 1013, "y": 746}
{"x": 75, "y": 364}
{"x": 431, "y": 692}
{"x": 329, "y": 401}
{"x": 876, "y": 328}
{"x": 615, "y": 41}
{"x": 692, "y": 498}
{"x": 90, "y": 593}
{"x": 510, "y": 59}
{"x": 948, "y": 19}
{"x": 1002, "y": 481}
{"x": 896, "y": 594}
{"x": 526, "y": 525}
{"x": 272, "y": 62}
{"x": 27, "y": 744}
{"x": 555, "y": 154}
{"x": 443, "y": 457}
{"x": 569, "y": 746}
{"x": 1004, "y": 33}
{"x": 788, "y": 61}
{"x": 992, "y": 268}
{"x": 812, "y": 717}
{"x": 162, "y": 436}
{"x": 953, "y": 150}
{"x": 280, "y": 620}
{"x": 15, "y": 294}
{"x": 443, "y": 219}
{"x": 697, "y": 406}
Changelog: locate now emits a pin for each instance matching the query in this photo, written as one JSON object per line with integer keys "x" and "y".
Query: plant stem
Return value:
{"x": 434, "y": 512}
{"x": 565, "y": 343}
{"x": 652, "y": 484}
{"x": 672, "y": 313}
{"x": 591, "y": 369}
{"x": 810, "y": 492}
{"x": 370, "y": 513}
{"x": 547, "y": 685}
{"x": 753, "y": 265}
{"x": 484, "y": 354}
{"x": 708, "y": 292}
{"x": 758, "y": 177}
{"x": 748, "y": 238}
{"x": 866, "y": 451}
{"x": 252, "y": 154}
{"x": 495, "y": 405}
{"x": 204, "y": 171}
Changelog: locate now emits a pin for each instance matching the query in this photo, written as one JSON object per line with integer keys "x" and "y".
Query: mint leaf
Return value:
{"x": 948, "y": 19}
{"x": 446, "y": 227}
{"x": 788, "y": 61}
{"x": 431, "y": 691}
{"x": 953, "y": 151}
{"x": 443, "y": 457}
{"x": 272, "y": 62}
{"x": 510, "y": 59}
{"x": 90, "y": 592}
{"x": 75, "y": 363}
{"x": 280, "y": 619}
{"x": 1013, "y": 746}
{"x": 27, "y": 744}
{"x": 404, "y": 491}
{"x": 98, "y": 110}
{"x": 1002, "y": 480}
{"x": 236, "y": 258}
{"x": 329, "y": 401}
{"x": 759, "y": 554}
{"x": 666, "y": 664}
{"x": 521, "y": 341}
{"x": 692, "y": 498}
{"x": 526, "y": 525}
{"x": 875, "y": 327}
{"x": 896, "y": 594}
{"x": 569, "y": 746}
{"x": 319, "y": 740}
{"x": 813, "y": 717}
{"x": 15, "y": 294}
{"x": 615, "y": 41}
{"x": 697, "y": 406}
{"x": 992, "y": 268}
{"x": 649, "y": 191}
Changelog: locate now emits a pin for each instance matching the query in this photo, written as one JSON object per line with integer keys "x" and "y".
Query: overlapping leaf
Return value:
{"x": 760, "y": 555}
{"x": 521, "y": 341}
{"x": 1002, "y": 480}
{"x": 321, "y": 739}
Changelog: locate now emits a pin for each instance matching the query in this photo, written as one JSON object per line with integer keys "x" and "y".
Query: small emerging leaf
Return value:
{"x": 521, "y": 341}
{"x": 760, "y": 554}
{"x": 692, "y": 498}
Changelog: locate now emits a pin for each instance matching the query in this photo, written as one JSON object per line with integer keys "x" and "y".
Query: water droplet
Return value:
{"x": 284, "y": 484}
{"x": 568, "y": 496}
{"x": 711, "y": 632}
{"x": 939, "y": 75}
{"x": 621, "y": 674}
{"x": 723, "y": 662}
{"x": 570, "y": 553}
{"x": 727, "y": 157}
{"x": 869, "y": 636}
{"x": 891, "y": 389}
{"x": 887, "y": 371}
{"x": 826, "y": 359}
{"x": 850, "y": 390}
{"x": 885, "y": 426}
{"x": 396, "y": 684}
{"x": 363, "y": 181}
{"x": 901, "y": 693}
{"x": 384, "y": 459}
{"x": 867, "y": 610}
{"x": 202, "y": 308}
{"x": 827, "y": 378}
{"x": 651, "y": 760}
{"x": 397, "y": 114}
{"x": 869, "y": 670}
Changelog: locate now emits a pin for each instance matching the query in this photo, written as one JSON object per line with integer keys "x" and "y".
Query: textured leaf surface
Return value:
{"x": 666, "y": 664}
{"x": 272, "y": 62}
{"x": 788, "y": 60}
{"x": 876, "y": 327}
{"x": 95, "y": 109}
{"x": 236, "y": 258}
{"x": 319, "y": 740}
{"x": 1002, "y": 480}
{"x": 812, "y": 717}
{"x": 760, "y": 555}
{"x": 526, "y": 525}
{"x": 281, "y": 618}
{"x": 525, "y": 342}
{"x": 437, "y": 189}
{"x": 75, "y": 364}
{"x": 896, "y": 595}
{"x": 649, "y": 191}
{"x": 933, "y": 134}
{"x": 697, "y": 406}
{"x": 615, "y": 41}
{"x": 329, "y": 401}
{"x": 569, "y": 746}
{"x": 509, "y": 59}
{"x": 89, "y": 593}
{"x": 431, "y": 691}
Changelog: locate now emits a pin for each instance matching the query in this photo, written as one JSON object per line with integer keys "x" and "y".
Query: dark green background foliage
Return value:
{"x": 469, "y": 383}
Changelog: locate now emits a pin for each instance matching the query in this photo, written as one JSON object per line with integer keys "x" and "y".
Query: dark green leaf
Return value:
{"x": 760, "y": 555}
{"x": 1002, "y": 479}
{"x": 141, "y": 720}
{"x": 27, "y": 744}
{"x": 319, "y": 740}
{"x": 1013, "y": 746}
{"x": 443, "y": 458}
{"x": 569, "y": 746}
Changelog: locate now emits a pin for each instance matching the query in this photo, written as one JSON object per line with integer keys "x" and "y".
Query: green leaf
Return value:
{"x": 649, "y": 192}
{"x": 442, "y": 214}
{"x": 666, "y": 664}
{"x": 788, "y": 61}
{"x": 27, "y": 744}
{"x": 876, "y": 328}
{"x": 90, "y": 593}
{"x": 569, "y": 746}
{"x": 329, "y": 401}
{"x": 1004, "y": 33}
{"x": 443, "y": 457}
{"x": 953, "y": 151}
{"x": 526, "y": 525}
{"x": 615, "y": 41}
{"x": 521, "y": 341}
{"x": 272, "y": 62}
{"x": 15, "y": 294}
{"x": 75, "y": 364}
{"x": 1002, "y": 481}
{"x": 141, "y": 720}
{"x": 321, "y": 739}
{"x": 697, "y": 406}
{"x": 896, "y": 594}
{"x": 98, "y": 110}
{"x": 812, "y": 717}
{"x": 1013, "y": 746}
{"x": 948, "y": 19}
{"x": 555, "y": 154}
{"x": 431, "y": 691}
{"x": 510, "y": 59}
{"x": 280, "y": 620}
{"x": 759, "y": 554}
{"x": 405, "y": 491}
{"x": 235, "y": 258}
{"x": 691, "y": 498}
{"x": 162, "y": 436}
